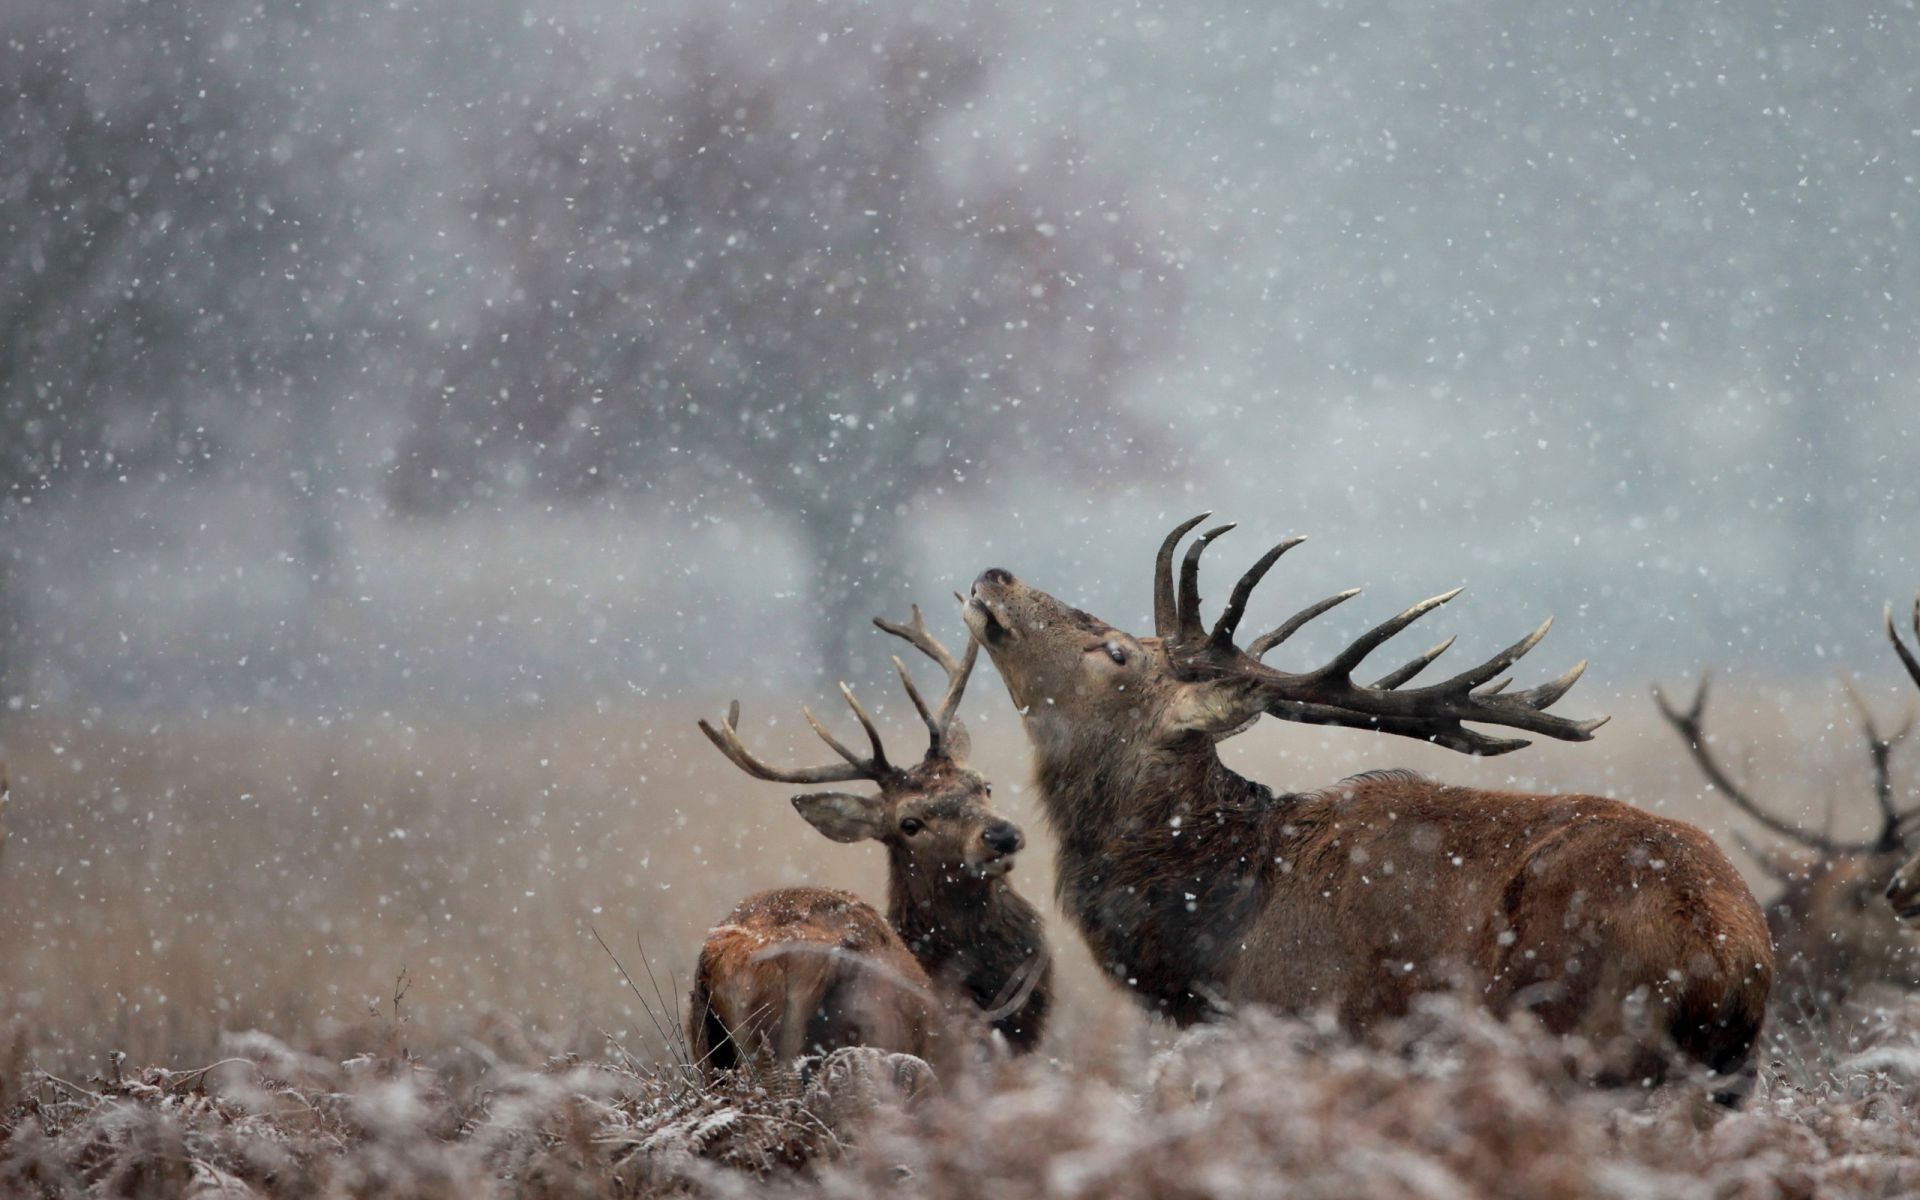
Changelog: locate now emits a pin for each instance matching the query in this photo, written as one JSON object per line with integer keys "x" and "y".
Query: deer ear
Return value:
{"x": 1217, "y": 709}
{"x": 842, "y": 816}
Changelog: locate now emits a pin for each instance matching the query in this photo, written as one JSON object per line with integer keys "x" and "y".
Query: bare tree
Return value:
{"x": 750, "y": 264}
{"x": 163, "y": 282}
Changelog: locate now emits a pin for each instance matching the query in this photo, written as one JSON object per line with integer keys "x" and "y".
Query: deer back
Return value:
{"x": 805, "y": 970}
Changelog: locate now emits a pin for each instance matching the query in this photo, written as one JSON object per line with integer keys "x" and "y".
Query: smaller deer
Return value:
{"x": 798, "y": 970}
{"x": 1837, "y": 922}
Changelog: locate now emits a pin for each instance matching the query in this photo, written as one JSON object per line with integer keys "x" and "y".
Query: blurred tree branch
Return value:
{"x": 753, "y": 263}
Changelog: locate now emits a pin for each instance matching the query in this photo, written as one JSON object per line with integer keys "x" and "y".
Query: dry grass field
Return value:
{"x": 252, "y": 891}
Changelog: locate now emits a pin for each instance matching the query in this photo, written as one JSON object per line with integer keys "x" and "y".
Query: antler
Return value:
{"x": 1907, "y": 658}
{"x": 726, "y": 738}
{"x": 1689, "y": 722}
{"x": 946, "y": 737}
{"x": 1883, "y": 782}
{"x": 1328, "y": 695}
{"x": 1880, "y": 753}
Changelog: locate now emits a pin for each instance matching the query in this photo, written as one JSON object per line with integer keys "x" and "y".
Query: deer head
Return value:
{"x": 936, "y": 816}
{"x": 1069, "y": 671}
{"x": 1837, "y": 918}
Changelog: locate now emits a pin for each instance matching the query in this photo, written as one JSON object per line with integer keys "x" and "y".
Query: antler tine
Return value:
{"x": 1229, "y": 622}
{"x": 834, "y": 743}
{"x": 1166, "y": 613}
{"x": 939, "y": 721}
{"x": 1399, "y": 675}
{"x": 913, "y": 694}
{"x": 1292, "y": 624}
{"x": 1880, "y": 754}
{"x": 866, "y": 722}
{"x": 956, "y": 687}
{"x": 1344, "y": 662}
{"x": 1688, "y": 723}
{"x": 1473, "y": 677}
{"x": 1912, "y": 664}
{"x": 1189, "y": 619}
{"x": 726, "y": 739}
{"x": 1546, "y": 694}
{"x": 916, "y": 633}
{"x": 1907, "y": 658}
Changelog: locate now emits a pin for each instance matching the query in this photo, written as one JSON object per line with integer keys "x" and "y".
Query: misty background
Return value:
{"x": 508, "y": 357}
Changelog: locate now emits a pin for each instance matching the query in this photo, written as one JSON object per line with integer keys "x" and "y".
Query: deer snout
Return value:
{"x": 1003, "y": 837}
{"x": 998, "y": 576}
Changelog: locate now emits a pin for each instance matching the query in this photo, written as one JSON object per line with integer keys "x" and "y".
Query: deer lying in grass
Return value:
{"x": 796, "y": 970}
{"x": 1837, "y": 922}
{"x": 1201, "y": 890}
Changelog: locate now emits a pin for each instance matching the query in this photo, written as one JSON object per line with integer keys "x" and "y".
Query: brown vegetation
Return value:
{"x": 1447, "y": 1102}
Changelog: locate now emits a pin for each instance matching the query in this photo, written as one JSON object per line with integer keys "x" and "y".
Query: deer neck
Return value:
{"x": 942, "y": 917}
{"x": 1095, "y": 787}
{"x": 970, "y": 935}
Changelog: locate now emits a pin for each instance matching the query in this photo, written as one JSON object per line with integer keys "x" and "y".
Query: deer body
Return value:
{"x": 1840, "y": 921}
{"x": 1201, "y": 889}
{"x": 801, "y": 970}
{"x": 1358, "y": 897}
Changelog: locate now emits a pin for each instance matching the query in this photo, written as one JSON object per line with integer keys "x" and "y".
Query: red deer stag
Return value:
{"x": 1200, "y": 889}
{"x": 803, "y": 969}
{"x": 1837, "y": 920}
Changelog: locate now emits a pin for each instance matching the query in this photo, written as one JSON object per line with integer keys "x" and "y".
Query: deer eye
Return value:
{"x": 1117, "y": 653}
{"x": 912, "y": 825}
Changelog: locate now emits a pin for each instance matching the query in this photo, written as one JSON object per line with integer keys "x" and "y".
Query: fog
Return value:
{"x": 494, "y": 356}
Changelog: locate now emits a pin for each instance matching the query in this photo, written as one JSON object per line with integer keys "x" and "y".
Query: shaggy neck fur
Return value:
{"x": 1096, "y": 787}
{"x": 973, "y": 936}
{"x": 1165, "y": 857}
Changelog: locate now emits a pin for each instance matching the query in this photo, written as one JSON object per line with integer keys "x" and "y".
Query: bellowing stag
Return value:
{"x": 1837, "y": 922}
{"x": 799, "y": 970}
{"x": 1201, "y": 890}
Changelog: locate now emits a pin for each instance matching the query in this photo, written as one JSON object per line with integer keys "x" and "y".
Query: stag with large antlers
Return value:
{"x": 1201, "y": 890}
{"x": 808, "y": 969}
{"x": 1838, "y": 920}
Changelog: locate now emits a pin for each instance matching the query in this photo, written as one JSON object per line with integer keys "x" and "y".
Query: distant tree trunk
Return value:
{"x": 13, "y": 623}
{"x": 313, "y": 496}
{"x": 854, "y": 551}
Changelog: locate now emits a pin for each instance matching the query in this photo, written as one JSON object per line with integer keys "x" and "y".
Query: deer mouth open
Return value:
{"x": 993, "y": 868}
{"x": 990, "y": 626}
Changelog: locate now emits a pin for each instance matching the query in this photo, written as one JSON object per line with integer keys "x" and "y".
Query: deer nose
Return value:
{"x": 1003, "y": 837}
{"x": 996, "y": 575}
